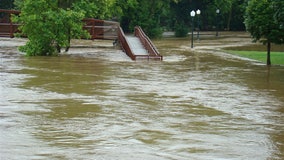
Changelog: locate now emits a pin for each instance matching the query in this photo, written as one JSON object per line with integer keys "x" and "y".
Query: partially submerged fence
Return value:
{"x": 7, "y": 27}
{"x": 101, "y": 29}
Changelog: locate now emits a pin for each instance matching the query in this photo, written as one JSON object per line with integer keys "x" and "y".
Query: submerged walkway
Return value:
{"x": 136, "y": 46}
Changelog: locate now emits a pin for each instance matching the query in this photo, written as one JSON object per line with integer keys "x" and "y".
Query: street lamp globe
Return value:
{"x": 192, "y": 13}
{"x": 198, "y": 12}
{"x": 218, "y": 11}
{"x": 217, "y": 23}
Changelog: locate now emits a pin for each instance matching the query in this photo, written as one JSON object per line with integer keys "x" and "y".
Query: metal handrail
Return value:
{"x": 147, "y": 43}
{"x": 124, "y": 43}
{"x": 10, "y": 11}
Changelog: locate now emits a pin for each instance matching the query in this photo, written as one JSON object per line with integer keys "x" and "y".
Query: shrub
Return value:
{"x": 181, "y": 30}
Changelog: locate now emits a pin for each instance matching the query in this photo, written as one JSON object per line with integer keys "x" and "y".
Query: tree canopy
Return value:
{"x": 50, "y": 24}
{"x": 264, "y": 20}
{"x": 145, "y": 13}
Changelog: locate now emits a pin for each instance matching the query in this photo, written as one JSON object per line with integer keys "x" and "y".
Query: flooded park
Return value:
{"x": 94, "y": 102}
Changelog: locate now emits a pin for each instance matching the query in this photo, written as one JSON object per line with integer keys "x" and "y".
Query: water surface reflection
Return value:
{"x": 98, "y": 106}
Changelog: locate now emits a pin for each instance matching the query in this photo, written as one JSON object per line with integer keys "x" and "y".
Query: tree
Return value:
{"x": 278, "y": 6}
{"x": 145, "y": 13}
{"x": 230, "y": 17}
{"x": 236, "y": 17}
{"x": 232, "y": 11}
{"x": 47, "y": 26}
{"x": 264, "y": 21}
{"x": 50, "y": 24}
{"x": 6, "y": 4}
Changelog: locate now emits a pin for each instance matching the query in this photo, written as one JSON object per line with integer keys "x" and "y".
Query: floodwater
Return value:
{"x": 101, "y": 105}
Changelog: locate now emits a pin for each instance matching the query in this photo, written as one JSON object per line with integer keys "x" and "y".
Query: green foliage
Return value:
{"x": 224, "y": 5}
{"x": 181, "y": 30}
{"x": 146, "y": 14}
{"x": 278, "y": 6}
{"x": 101, "y": 9}
{"x": 154, "y": 32}
{"x": 51, "y": 24}
{"x": 264, "y": 23}
{"x": 237, "y": 15}
{"x": 229, "y": 18}
{"x": 6, "y": 4}
{"x": 261, "y": 22}
{"x": 18, "y": 4}
{"x": 48, "y": 27}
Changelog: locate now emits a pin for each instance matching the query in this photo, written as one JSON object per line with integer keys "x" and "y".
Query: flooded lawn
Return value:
{"x": 95, "y": 103}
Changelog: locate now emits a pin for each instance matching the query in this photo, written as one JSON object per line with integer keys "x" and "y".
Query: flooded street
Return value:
{"x": 101, "y": 105}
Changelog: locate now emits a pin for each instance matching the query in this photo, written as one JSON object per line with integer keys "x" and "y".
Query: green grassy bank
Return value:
{"x": 277, "y": 58}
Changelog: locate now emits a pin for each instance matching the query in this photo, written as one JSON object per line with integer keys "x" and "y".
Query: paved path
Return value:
{"x": 136, "y": 46}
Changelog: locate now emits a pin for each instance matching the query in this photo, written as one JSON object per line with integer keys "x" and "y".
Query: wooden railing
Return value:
{"x": 8, "y": 28}
{"x": 101, "y": 29}
{"x": 147, "y": 43}
{"x": 124, "y": 44}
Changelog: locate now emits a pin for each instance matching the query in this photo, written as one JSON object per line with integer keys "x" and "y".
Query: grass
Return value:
{"x": 276, "y": 57}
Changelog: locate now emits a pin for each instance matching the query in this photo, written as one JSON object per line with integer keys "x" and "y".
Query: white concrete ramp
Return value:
{"x": 136, "y": 46}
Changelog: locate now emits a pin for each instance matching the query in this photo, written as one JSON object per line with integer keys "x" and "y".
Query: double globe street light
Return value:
{"x": 192, "y": 14}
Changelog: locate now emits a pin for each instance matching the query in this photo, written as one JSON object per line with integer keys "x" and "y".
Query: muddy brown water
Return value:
{"x": 95, "y": 103}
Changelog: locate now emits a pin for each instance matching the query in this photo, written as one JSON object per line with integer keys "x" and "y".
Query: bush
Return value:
{"x": 181, "y": 30}
{"x": 155, "y": 32}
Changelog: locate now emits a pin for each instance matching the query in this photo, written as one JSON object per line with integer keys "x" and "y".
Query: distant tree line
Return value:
{"x": 155, "y": 16}
{"x": 61, "y": 20}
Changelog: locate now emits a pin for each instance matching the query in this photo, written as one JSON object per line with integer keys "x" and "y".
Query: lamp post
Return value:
{"x": 198, "y": 23}
{"x": 192, "y": 14}
{"x": 217, "y": 23}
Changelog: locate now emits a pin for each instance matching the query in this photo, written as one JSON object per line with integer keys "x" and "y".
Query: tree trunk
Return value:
{"x": 268, "y": 53}
{"x": 268, "y": 74}
{"x": 58, "y": 48}
{"x": 229, "y": 18}
{"x": 69, "y": 40}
